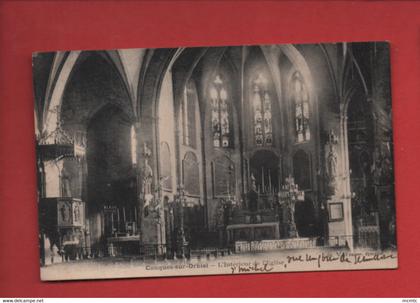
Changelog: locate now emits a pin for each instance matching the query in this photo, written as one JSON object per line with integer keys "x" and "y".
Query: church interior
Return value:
{"x": 177, "y": 152}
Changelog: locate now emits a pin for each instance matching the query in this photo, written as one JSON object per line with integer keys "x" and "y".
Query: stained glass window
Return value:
{"x": 188, "y": 115}
{"x": 263, "y": 126}
{"x": 300, "y": 98}
{"x": 219, "y": 113}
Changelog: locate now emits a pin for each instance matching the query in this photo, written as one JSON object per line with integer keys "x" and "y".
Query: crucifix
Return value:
{"x": 288, "y": 196}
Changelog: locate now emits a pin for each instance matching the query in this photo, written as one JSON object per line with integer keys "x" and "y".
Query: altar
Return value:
{"x": 123, "y": 245}
{"x": 273, "y": 245}
{"x": 252, "y": 232}
{"x": 267, "y": 217}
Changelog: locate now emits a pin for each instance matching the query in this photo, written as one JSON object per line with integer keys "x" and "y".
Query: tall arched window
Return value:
{"x": 261, "y": 100}
{"x": 191, "y": 174}
{"x": 188, "y": 115}
{"x": 220, "y": 113}
{"x": 300, "y": 98}
{"x": 133, "y": 139}
{"x": 165, "y": 166}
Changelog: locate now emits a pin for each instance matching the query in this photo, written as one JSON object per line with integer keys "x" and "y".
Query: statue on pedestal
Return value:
{"x": 331, "y": 163}
{"x": 147, "y": 181}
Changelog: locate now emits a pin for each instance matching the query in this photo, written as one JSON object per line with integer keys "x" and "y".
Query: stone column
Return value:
{"x": 337, "y": 188}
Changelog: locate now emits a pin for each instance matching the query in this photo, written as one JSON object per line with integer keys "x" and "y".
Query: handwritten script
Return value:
{"x": 255, "y": 267}
{"x": 339, "y": 257}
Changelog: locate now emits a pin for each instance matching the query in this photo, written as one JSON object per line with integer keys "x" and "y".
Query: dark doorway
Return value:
{"x": 305, "y": 219}
{"x": 302, "y": 170}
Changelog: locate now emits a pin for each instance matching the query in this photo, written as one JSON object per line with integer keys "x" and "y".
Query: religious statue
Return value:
{"x": 147, "y": 181}
{"x": 65, "y": 184}
{"x": 65, "y": 213}
{"x": 253, "y": 196}
{"x": 155, "y": 200}
{"x": 76, "y": 213}
{"x": 331, "y": 162}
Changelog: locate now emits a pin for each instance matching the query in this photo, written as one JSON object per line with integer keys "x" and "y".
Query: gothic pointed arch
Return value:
{"x": 61, "y": 72}
{"x": 93, "y": 83}
{"x": 219, "y": 86}
{"x": 262, "y": 100}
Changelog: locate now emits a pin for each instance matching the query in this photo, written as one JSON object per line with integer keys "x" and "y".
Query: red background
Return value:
{"x": 46, "y": 26}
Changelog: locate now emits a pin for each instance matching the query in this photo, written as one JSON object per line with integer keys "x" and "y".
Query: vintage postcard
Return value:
{"x": 214, "y": 160}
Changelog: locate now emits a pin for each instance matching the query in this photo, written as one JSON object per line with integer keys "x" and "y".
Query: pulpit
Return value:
{"x": 61, "y": 211}
{"x": 63, "y": 220}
